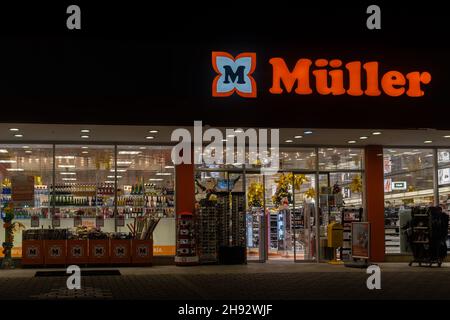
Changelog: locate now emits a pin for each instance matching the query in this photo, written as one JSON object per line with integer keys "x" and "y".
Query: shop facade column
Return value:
{"x": 184, "y": 188}
{"x": 375, "y": 200}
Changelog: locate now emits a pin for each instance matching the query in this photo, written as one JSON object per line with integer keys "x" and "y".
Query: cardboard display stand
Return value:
{"x": 99, "y": 251}
{"x": 32, "y": 252}
{"x": 141, "y": 251}
{"x": 55, "y": 252}
{"x": 77, "y": 251}
{"x": 120, "y": 251}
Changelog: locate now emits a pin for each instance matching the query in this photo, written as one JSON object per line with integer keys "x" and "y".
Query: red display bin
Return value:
{"x": 99, "y": 251}
{"x": 142, "y": 251}
{"x": 77, "y": 251}
{"x": 32, "y": 252}
{"x": 120, "y": 251}
{"x": 55, "y": 251}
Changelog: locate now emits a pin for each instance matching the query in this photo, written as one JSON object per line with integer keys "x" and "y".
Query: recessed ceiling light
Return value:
{"x": 169, "y": 167}
{"x": 289, "y": 141}
{"x": 67, "y": 173}
{"x": 130, "y": 152}
{"x": 3, "y": 151}
{"x": 298, "y": 137}
{"x": 85, "y": 130}
{"x": 25, "y": 147}
{"x": 149, "y": 137}
{"x": 109, "y": 181}
{"x": 239, "y": 131}
{"x": 124, "y": 162}
{"x": 163, "y": 174}
{"x": 376, "y": 133}
{"x": 14, "y": 169}
{"x": 142, "y": 148}
{"x": 14, "y": 129}
{"x": 18, "y": 135}
{"x": 85, "y": 136}
{"x": 307, "y": 132}
{"x": 155, "y": 179}
{"x": 8, "y": 161}
{"x": 153, "y": 131}
{"x": 330, "y": 149}
{"x": 84, "y": 152}
{"x": 28, "y": 151}
{"x": 69, "y": 179}
{"x": 351, "y": 141}
{"x": 448, "y": 136}
{"x": 112, "y": 177}
{"x": 119, "y": 170}
{"x": 65, "y": 157}
{"x": 363, "y": 138}
{"x": 84, "y": 147}
{"x": 66, "y": 165}
{"x": 428, "y": 141}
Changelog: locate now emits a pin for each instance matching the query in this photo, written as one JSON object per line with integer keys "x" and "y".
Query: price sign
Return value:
{"x": 35, "y": 221}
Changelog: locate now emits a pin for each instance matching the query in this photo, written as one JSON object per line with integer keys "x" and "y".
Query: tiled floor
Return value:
{"x": 253, "y": 281}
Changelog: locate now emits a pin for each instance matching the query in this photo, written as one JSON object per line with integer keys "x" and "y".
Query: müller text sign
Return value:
{"x": 321, "y": 76}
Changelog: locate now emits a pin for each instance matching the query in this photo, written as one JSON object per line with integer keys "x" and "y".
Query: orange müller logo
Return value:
{"x": 234, "y": 74}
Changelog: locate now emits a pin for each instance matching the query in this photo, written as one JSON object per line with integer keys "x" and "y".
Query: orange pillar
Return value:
{"x": 375, "y": 200}
{"x": 184, "y": 188}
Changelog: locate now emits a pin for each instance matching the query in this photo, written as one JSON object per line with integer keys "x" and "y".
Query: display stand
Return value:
{"x": 427, "y": 234}
{"x": 349, "y": 215}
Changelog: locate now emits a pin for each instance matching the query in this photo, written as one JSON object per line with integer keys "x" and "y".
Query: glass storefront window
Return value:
{"x": 408, "y": 182}
{"x": 298, "y": 159}
{"x": 84, "y": 183}
{"x": 26, "y": 176}
{"x": 341, "y": 159}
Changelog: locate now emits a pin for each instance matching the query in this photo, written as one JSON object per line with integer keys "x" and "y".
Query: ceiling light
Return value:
{"x": 85, "y": 152}
{"x": 65, "y": 157}
{"x": 14, "y": 169}
{"x": 3, "y": 151}
{"x": 353, "y": 154}
{"x": 141, "y": 148}
{"x": 28, "y": 151}
{"x": 149, "y": 137}
{"x": 289, "y": 141}
{"x": 238, "y": 131}
{"x": 363, "y": 138}
{"x": 124, "y": 162}
{"x": 428, "y": 141}
{"x": 169, "y": 167}
{"x": 25, "y": 147}
{"x": 14, "y": 129}
{"x": 307, "y": 132}
{"x": 118, "y": 170}
{"x": 85, "y": 137}
{"x": 130, "y": 152}
{"x": 84, "y": 147}
{"x": 446, "y": 136}
{"x": 330, "y": 149}
{"x": 298, "y": 137}
{"x": 351, "y": 141}
{"x": 85, "y": 130}
{"x": 18, "y": 135}
{"x": 67, "y": 173}
{"x": 230, "y": 136}
{"x": 155, "y": 179}
{"x": 108, "y": 181}
{"x": 112, "y": 177}
{"x": 376, "y": 133}
{"x": 163, "y": 174}
{"x": 153, "y": 131}
{"x": 66, "y": 165}
{"x": 8, "y": 161}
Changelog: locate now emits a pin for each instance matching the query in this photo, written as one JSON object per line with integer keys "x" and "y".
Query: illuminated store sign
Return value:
{"x": 320, "y": 76}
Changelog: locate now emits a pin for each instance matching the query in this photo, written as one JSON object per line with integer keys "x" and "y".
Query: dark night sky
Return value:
{"x": 152, "y": 64}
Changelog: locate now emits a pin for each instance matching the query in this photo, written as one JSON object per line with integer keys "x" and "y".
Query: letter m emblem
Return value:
{"x": 234, "y": 74}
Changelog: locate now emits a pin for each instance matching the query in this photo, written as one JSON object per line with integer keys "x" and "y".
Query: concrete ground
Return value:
{"x": 254, "y": 281}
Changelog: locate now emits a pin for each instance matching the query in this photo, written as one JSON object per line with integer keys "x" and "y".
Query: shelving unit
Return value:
{"x": 349, "y": 215}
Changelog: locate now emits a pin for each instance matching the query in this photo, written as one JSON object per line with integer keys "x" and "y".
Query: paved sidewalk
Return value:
{"x": 253, "y": 281}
